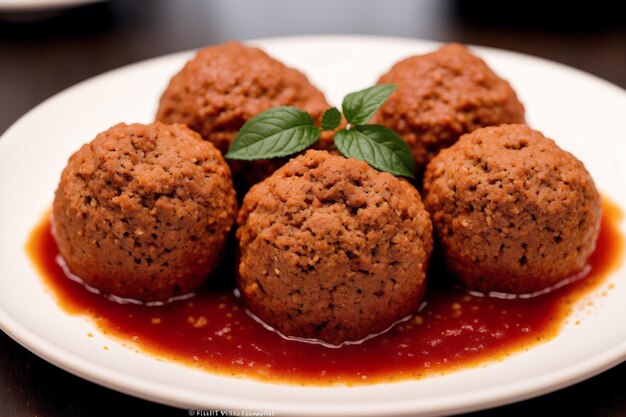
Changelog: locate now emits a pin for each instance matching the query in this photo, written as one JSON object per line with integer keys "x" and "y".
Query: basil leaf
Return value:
{"x": 359, "y": 107}
{"x": 380, "y": 147}
{"x": 276, "y": 132}
{"x": 331, "y": 119}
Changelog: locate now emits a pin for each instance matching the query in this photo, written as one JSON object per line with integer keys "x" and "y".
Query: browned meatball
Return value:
{"x": 442, "y": 95}
{"x": 514, "y": 213}
{"x": 332, "y": 249}
{"x": 143, "y": 211}
{"x": 224, "y": 86}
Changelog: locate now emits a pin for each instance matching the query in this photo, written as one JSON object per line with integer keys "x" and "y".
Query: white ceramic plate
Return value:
{"x": 583, "y": 113}
{"x": 36, "y": 6}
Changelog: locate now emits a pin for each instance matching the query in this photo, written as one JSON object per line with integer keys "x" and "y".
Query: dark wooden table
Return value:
{"x": 40, "y": 56}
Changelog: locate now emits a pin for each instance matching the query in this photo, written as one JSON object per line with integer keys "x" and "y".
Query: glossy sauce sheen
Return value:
{"x": 212, "y": 331}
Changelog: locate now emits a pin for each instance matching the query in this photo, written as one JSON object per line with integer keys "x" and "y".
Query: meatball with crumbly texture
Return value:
{"x": 514, "y": 212}
{"x": 226, "y": 85}
{"x": 143, "y": 211}
{"x": 442, "y": 95}
{"x": 332, "y": 249}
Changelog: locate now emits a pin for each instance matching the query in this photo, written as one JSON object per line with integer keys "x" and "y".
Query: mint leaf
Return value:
{"x": 380, "y": 147}
{"x": 283, "y": 131}
{"x": 276, "y": 132}
{"x": 331, "y": 119}
{"x": 359, "y": 107}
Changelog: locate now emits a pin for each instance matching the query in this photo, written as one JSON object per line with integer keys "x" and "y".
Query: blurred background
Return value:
{"x": 44, "y": 52}
{"x": 46, "y": 47}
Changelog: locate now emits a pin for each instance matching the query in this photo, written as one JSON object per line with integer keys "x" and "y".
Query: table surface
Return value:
{"x": 41, "y": 55}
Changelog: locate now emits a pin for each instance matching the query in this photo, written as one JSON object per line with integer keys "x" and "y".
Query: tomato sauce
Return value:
{"x": 454, "y": 329}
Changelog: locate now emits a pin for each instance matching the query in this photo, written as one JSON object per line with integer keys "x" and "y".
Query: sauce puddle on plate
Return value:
{"x": 212, "y": 331}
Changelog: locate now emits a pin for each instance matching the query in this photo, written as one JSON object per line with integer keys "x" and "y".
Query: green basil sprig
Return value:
{"x": 359, "y": 107}
{"x": 331, "y": 119}
{"x": 283, "y": 131}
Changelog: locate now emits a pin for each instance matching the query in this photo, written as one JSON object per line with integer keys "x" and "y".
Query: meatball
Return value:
{"x": 224, "y": 86}
{"x": 143, "y": 211}
{"x": 442, "y": 95}
{"x": 332, "y": 249}
{"x": 513, "y": 212}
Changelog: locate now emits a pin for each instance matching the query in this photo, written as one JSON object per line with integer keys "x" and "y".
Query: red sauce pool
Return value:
{"x": 212, "y": 331}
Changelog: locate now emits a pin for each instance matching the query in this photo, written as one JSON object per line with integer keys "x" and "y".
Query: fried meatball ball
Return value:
{"x": 143, "y": 211}
{"x": 332, "y": 249}
{"x": 226, "y": 85}
{"x": 442, "y": 95}
{"x": 513, "y": 212}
